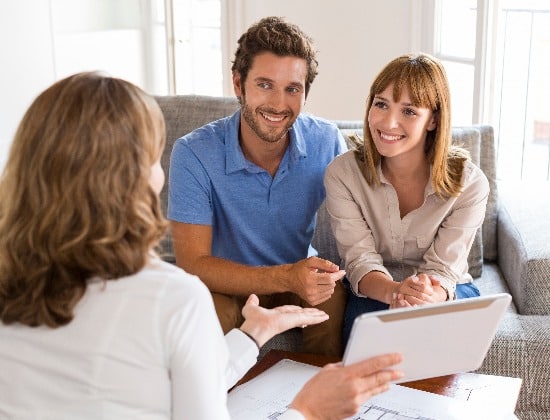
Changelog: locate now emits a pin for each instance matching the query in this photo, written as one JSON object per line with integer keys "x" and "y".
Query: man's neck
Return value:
{"x": 266, "y": 155}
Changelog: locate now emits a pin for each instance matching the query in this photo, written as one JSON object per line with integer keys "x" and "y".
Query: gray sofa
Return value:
{"x": 511, "y": 253}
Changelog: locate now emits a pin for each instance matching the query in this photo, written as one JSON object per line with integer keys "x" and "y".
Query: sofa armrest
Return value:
{"x": 524, "y": 246}
{"x": 521, "y": 349}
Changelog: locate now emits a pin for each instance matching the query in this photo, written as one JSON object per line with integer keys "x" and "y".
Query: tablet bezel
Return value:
{"x": 455, "y": 336}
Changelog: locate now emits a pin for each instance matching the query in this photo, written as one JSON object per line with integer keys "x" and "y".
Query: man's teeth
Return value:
{"x": 271, "y": 118}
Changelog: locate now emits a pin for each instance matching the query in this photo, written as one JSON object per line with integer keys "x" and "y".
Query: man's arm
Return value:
{"x": 313, "y": 279}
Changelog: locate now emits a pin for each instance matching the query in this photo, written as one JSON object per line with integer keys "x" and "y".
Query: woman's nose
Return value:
{"x": 391, "y": 119}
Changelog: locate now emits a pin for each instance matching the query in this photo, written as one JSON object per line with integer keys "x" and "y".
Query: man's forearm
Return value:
{"x": 228, "y": 277}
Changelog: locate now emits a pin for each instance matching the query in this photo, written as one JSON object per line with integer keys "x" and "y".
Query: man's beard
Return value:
{"x": 272, "y": 135}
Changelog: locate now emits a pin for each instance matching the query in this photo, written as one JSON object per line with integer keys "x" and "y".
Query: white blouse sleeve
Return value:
{"x": 243, "y": 354}
{"x": 203, "y": 364}
{"x": 291, "y": 414}
{"x": 197, "y": 353}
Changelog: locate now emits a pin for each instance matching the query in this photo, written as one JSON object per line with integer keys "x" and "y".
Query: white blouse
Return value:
{"x": 147, "y": 346}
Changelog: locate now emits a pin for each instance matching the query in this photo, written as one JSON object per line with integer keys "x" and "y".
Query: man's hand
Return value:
{"x": 338, "y": 391}
{"x": 314, "y": 279}
{"x": 262, "y": 323}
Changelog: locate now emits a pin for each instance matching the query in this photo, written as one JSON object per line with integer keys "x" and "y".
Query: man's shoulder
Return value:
{"x": 212, "y": 131}
{"x": 206, "y": 143}
{"x": 319, "y": 135}
{"x": 310, "y": 122}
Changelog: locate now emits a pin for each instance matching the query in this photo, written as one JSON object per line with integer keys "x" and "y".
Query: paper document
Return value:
{"x": 268, "y": 395}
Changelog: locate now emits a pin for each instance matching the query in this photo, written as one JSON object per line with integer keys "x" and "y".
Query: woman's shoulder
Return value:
{"x": 170, "y": 279}
{"x": 343, "y": 161}
{"x": 474, "y": 177}
{"x": 473, "y": 170}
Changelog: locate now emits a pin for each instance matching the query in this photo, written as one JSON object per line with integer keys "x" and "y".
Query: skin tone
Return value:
{"x": 338, "y": 391}
{"x": 399, "y": 130}
{"x": 272, "y": 96}
{"x": 263, "y": 324}
{"x": 272, "y": 102}
{"x": 350, "y": 386}
{"x": 156, "y": 179}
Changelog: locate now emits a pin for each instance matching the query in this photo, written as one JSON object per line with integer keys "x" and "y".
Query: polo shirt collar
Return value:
{"x": 234, "y": 157}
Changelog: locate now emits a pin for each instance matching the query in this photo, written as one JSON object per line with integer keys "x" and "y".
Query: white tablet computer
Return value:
{"x": 435, "y": 340}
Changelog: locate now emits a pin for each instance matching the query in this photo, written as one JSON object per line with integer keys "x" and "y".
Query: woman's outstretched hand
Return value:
{"x": 262, "y": 324}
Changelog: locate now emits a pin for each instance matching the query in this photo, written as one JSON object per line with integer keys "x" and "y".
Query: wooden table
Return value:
{"x": 499, "y": 391}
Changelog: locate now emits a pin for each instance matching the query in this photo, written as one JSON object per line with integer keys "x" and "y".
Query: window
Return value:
{"x": 197, "y": 55}
{"x": 458, "y": 54}
{"x": 164, "y": 46}
{"x": 521, "y": 105}
{"x": 497, "y": 54}
{"x": 124, "y": 38}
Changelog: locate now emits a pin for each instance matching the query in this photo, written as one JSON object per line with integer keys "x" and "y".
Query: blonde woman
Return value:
{"x": 93, "y": 324}
{"x": 406, "y": 204}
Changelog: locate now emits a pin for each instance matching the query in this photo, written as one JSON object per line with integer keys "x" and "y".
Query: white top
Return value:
{"x": 371, "y": 235}
{"x": 148, "y": 346}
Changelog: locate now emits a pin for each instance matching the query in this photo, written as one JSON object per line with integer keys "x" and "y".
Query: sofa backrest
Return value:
{"x": 184, "y": 113}
{"x": 482, "y": 137}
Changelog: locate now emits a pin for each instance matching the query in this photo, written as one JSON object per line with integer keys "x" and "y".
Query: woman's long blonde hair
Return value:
{"x": 75, "y": 199}
{"x": 425, "y": 78}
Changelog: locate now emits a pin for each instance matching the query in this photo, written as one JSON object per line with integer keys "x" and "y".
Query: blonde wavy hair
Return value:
{"x": 425, "y": 78}
{"x": 75, "y": 199}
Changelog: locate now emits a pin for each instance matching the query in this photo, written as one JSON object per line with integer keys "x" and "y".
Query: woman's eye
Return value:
{"x": 380, "y": 104}
{"x": 409, "y": 112}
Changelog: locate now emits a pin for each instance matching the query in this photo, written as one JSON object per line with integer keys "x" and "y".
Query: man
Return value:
{"x": 244, "y": 190}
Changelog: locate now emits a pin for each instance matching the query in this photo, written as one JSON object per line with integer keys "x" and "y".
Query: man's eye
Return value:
{"x": 293, "y": 90}
{"x": 263, "y": 85}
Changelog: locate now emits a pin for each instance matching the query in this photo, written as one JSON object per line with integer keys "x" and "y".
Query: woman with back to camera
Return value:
{"x": 406, "y": 204}
{"x": 94, "y": 324}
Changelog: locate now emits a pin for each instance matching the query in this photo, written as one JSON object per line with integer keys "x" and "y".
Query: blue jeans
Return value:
{"x": 359, "y": 305}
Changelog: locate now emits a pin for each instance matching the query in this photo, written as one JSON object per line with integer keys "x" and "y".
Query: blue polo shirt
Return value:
{"x": 256, "y": 219}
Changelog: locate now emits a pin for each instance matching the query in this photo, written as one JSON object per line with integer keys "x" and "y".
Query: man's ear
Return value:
{"x": 237, "y": 86}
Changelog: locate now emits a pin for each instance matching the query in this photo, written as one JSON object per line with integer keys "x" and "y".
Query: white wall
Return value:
{"x": 355, "y": 38}
{"x": 27, "y": 62}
